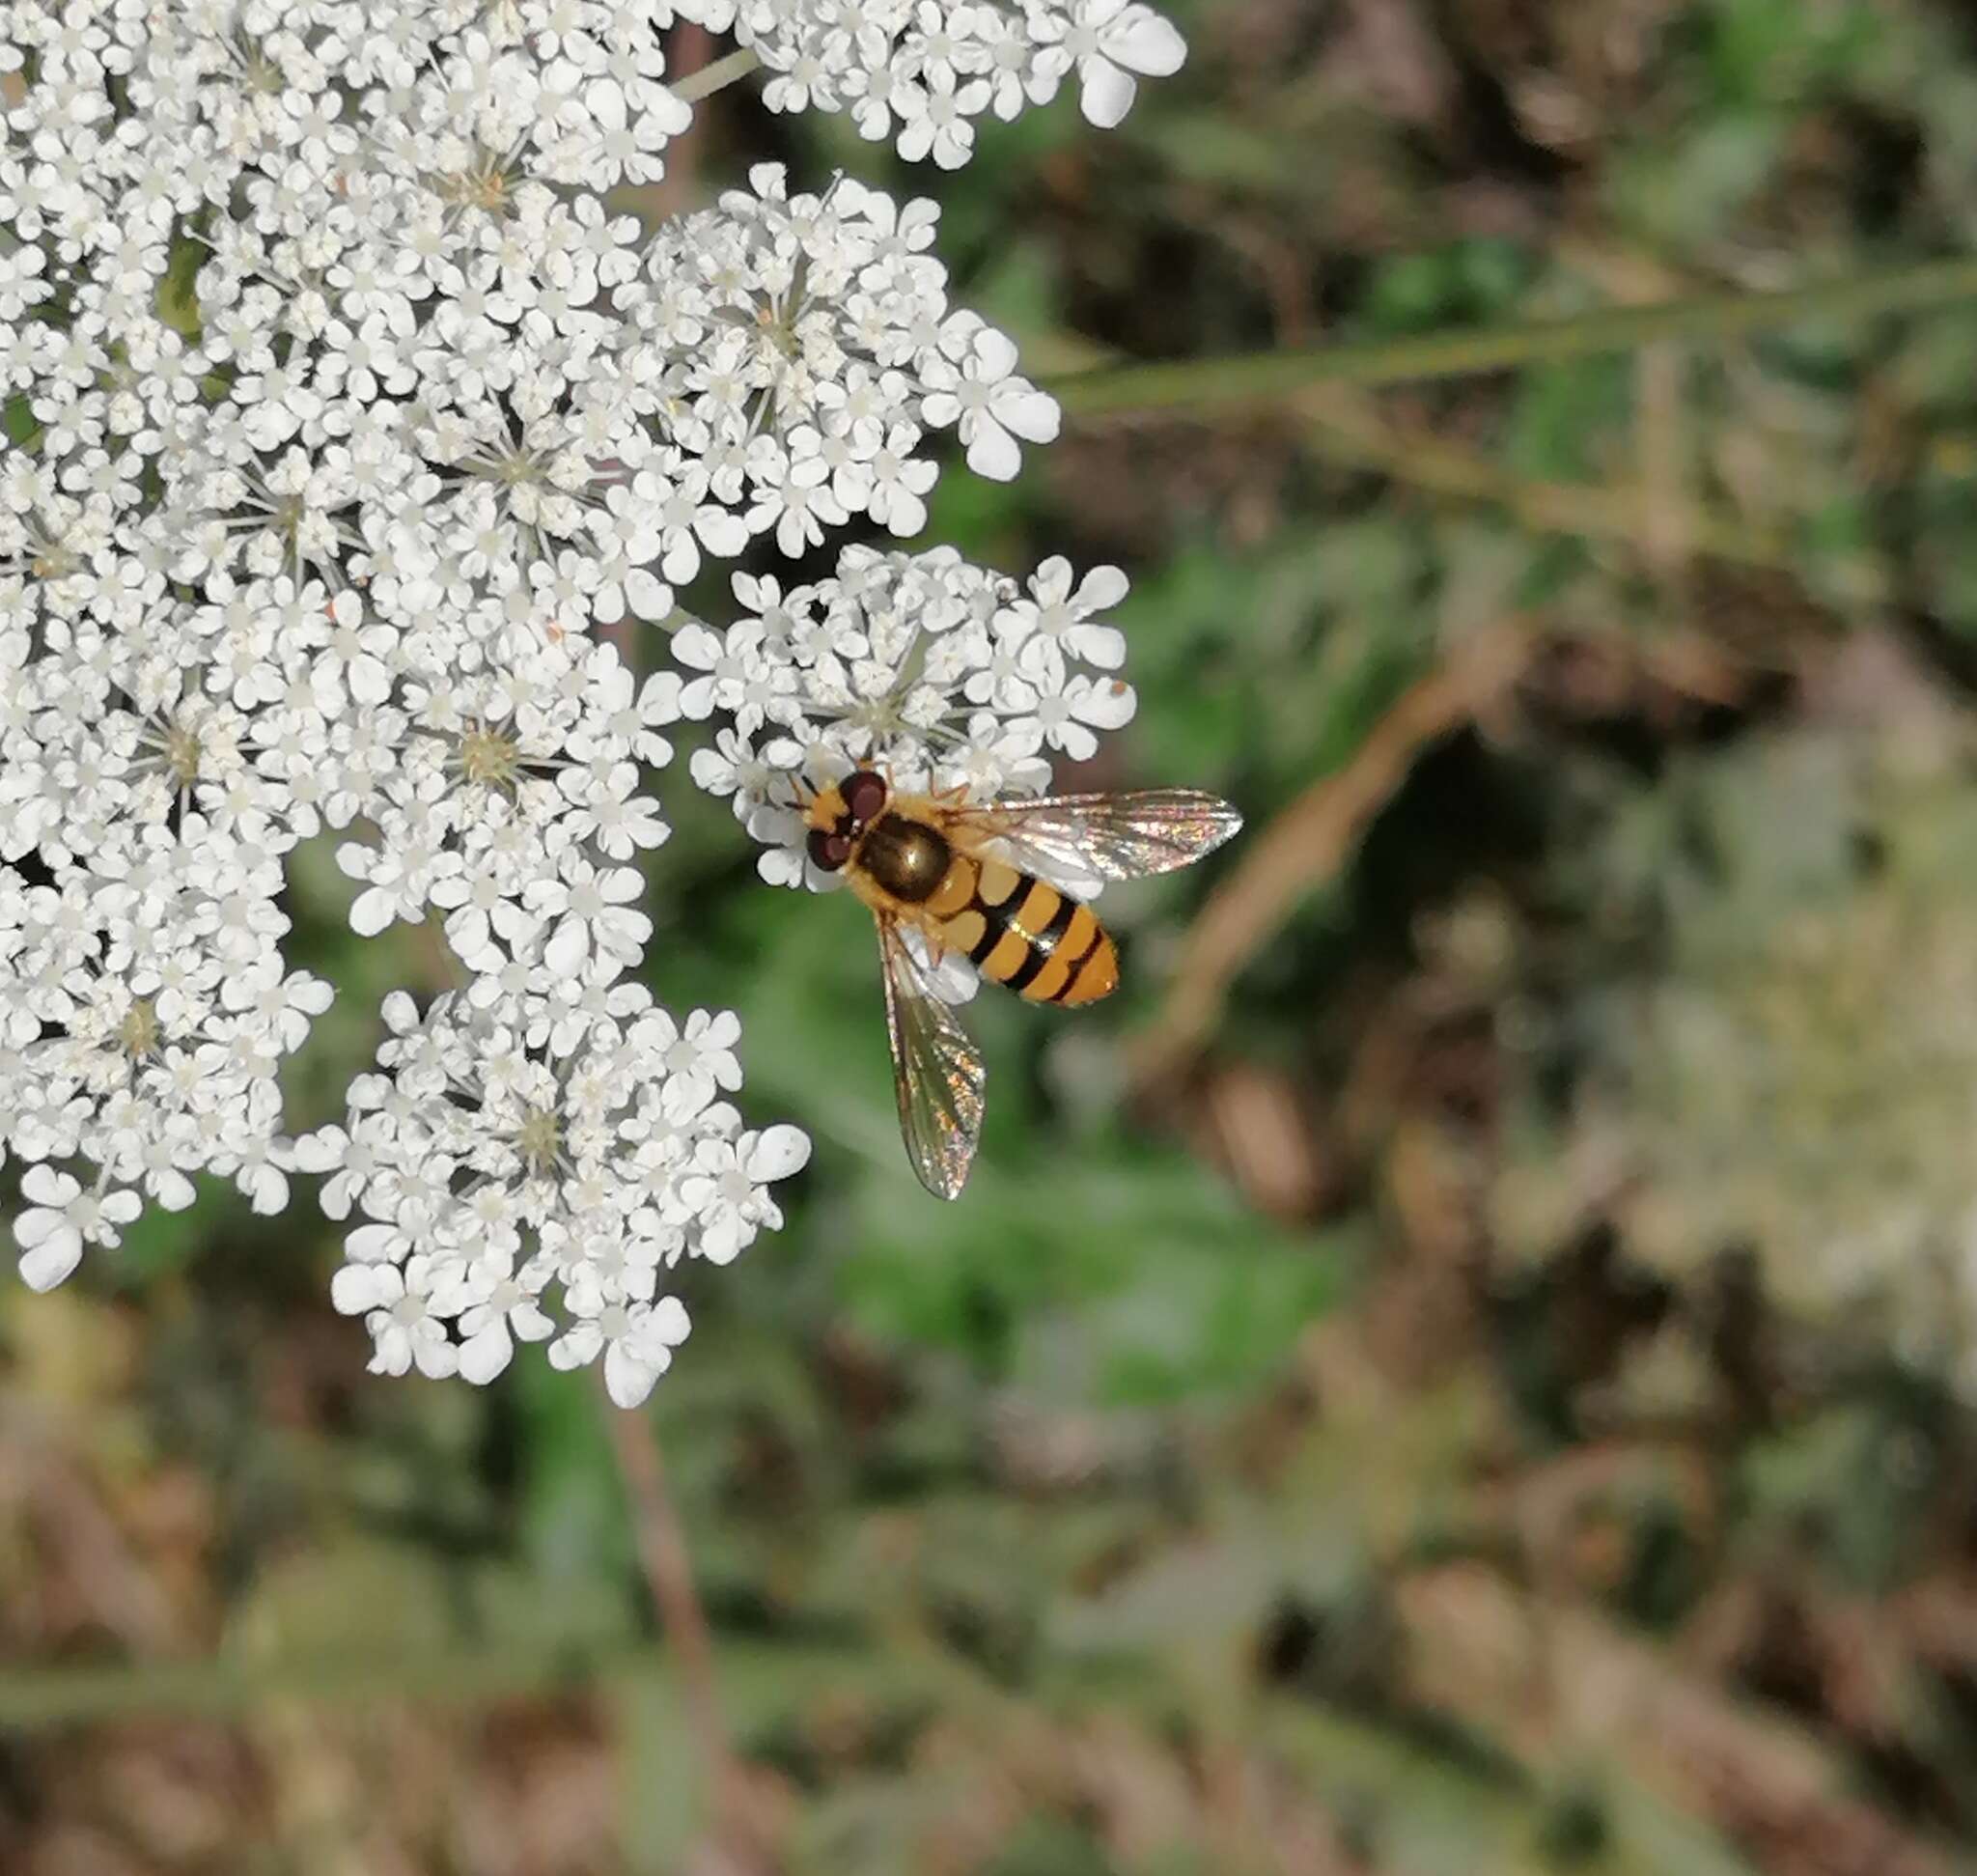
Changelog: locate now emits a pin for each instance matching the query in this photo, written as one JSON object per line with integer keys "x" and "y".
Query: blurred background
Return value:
{"x": 1466, "y": 1363}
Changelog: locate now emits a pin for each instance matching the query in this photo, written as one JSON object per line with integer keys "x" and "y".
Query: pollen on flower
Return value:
{"x": 539, "y": 1139}
{"x": 489, "y": 756}
{"x": 180, "y": 748}
{"x": 485, "y": 183}
{"x": 881, "y": 719}
{"x": 512, "y": 469}
{"x": 140, "y": 1030}
{"x": 778, "y": 326}
{"x": 259, "y": 71}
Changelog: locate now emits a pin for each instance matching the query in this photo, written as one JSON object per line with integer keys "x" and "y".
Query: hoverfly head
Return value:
{"x": 838, "y": 814}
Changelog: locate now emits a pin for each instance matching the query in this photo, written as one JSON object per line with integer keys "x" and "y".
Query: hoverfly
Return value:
{"x": 964, "y": 878}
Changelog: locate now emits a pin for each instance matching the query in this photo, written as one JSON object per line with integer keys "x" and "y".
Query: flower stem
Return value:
{"x": 1345, "y": 430}
{"x": 711, "y": 78}
{"x": 1270, "y": 375}
{"x": 765, "y": 1683}
{"x": 668, "y": 1570}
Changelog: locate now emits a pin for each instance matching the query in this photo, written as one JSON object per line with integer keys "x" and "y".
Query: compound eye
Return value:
{"x": 829, "y": 851}
{"x": 864, "y": 795}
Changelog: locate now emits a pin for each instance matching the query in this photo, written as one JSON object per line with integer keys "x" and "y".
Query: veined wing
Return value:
{"x": 938, "y": 1071}
{"x": 1109, "y": 836}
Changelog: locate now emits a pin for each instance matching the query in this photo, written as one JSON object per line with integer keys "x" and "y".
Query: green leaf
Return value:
{"x": 664, "y": 1799}
{"x": 17, "y": 419}
{"x": 574, "y": 1524}
{"x": 178, "y": 299}
{"x": 161, "y": 1241}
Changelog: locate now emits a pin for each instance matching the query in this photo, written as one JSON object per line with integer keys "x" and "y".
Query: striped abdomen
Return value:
{"x": 1018, "y": 930}
{"x": 1022, "y": 933}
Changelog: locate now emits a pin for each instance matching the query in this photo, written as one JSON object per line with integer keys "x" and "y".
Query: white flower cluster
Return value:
{"x": 144, "y": 1015}
{"x": 921, "y": 71}
{"x": 331, "y": 564}
{"x": 437, "y": 364}
{"x": 568, "y": 1140}
{"x": 943, "y": 673}
{"x": 342, "y": 413}
{"x": 508, "y": 792}
{"x": 794, "y": 351}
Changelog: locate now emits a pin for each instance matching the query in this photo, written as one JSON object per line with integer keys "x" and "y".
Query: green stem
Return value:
{"x": 760, "y": 1682}
{"x": 711, "y": 78}
{"x": 1264, "y": 375}
{"x": 1621, "y": 513}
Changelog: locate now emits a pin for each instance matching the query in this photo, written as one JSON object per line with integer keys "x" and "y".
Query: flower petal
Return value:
{"x": 780, "y": 1152}
{"x": 1146, "y": 44}
{"x": 627, "y": 1378}
{"x": 49, "y": 1261}
{"x": 1106, "y": 93}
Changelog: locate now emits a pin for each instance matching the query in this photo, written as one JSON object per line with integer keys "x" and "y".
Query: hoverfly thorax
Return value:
{"x": 839, "y": 815}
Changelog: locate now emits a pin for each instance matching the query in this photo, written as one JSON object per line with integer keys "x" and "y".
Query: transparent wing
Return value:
{"x": 938, "y": 1071}
{"x": 1109, "y": 836}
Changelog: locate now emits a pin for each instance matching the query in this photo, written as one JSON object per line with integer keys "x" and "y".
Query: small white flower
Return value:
{"x": 62, "y": 1219}
{"x": 1113, "y": 44}
{"x": 502, "y": 1312}
{"x": 638, "y": 1341}
{"x": 976, "y": 389}
{"x": 398, "y": 1305}
{"x": 727, "y": 1189}
{"x": 590, "y": 910}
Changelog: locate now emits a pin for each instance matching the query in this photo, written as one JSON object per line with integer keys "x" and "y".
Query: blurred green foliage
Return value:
{"x": 1503, "y": 1406}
